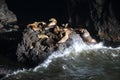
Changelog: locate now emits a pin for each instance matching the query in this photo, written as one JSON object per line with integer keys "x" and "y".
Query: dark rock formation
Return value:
{"x": 105, "y": 21}
{"x": 7, "y": 18}
{"x": 9, "y": 38}
{"x": 9, "y": 33}
{"x": 37, "y": 45}
{"x": 100, "y": 17}
{"x": 39, "y": 41}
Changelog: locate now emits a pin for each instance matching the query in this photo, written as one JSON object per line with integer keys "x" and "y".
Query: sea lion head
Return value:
{"x": 53, "y": 20}
{"x": 84, "y": 33}
{"x": 52, "y": 23}
{"x": 42, "y": 23}
{"x": 87, "y": 37}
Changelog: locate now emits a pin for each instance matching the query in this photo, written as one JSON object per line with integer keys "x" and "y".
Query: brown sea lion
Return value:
{"x": 34, "y": 26}
{"x": 42, "y": 36}
{"x": 43, "y": 23}
{"x": 36, "y": 29}
{"x": 53, "y": 22}
{"x": 87, "y": 37}
{"x": 57, "y": 29}
{"x": 66, "y": 37}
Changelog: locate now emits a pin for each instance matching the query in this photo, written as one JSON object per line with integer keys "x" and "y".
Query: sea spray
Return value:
{"x": 77, "y": 46}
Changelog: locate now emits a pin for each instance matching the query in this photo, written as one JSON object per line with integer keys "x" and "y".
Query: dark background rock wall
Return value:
{"x": 100, "y": 17}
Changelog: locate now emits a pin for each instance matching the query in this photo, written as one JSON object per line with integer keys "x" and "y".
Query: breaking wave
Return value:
{"x": 77, "y": 49}
{"x": 77, "y": 46}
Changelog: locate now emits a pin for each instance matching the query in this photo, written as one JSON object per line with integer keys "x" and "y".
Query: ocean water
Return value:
{"x": 77, "y": 62}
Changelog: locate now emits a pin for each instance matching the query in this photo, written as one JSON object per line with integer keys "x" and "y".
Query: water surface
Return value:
{"x": 78, "y": 62}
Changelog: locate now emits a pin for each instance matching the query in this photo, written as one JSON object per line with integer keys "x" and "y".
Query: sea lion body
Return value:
{"x": 87, "y": 37}
{"x": 42, "y": 36}
{"x": 66, "y": 37}
{"x": 34, "y": 26}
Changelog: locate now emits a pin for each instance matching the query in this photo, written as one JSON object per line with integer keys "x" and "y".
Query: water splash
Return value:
{"x": 77, "y": 46}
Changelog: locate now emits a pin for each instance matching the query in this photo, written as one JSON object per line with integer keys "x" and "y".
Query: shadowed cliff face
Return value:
{"x": 105, "y": 19}
{"x": 100, "y": 17}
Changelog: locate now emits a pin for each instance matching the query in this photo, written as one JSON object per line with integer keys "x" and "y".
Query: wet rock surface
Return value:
{"x": 41, "y": 39}
{"x": 38, "y": 44}
{"x": 7, "y": 18}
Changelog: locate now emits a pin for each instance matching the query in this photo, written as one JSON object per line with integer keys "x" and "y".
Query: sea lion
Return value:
{"x": 66, "y": 37}
{"x": 34, "y": 26}
{"x": 57, "y": 29}
{"x": 65, "y": 25}
{"x": 42, "y": 36}
{"x": 42, "y": 24}
{"x": 53, "y": 22}
{"x": 87, "y": 37}
{"x": 37, "y": 29}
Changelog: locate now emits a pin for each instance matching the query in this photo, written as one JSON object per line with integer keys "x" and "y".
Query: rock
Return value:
{"x": 4, "y": 71}
{"x": 100, "y": 17}
{"x": 105, "y": 20}
{"x": 9, "y": 38}
{"x": 1, "y": 26}
{"x": 33, "y": 48}
{"x": 37, "y": 45}
{"x": 7, "y": 18}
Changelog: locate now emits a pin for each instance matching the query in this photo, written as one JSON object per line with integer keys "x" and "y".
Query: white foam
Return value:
{"x": 16, "y": 72}
{"x": 77, "y": 46}
{"x": 114, "y": 55}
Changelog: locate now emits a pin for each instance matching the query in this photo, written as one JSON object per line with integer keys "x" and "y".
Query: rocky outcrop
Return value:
{"x": 41, "y": 39}
{"x": 7, "y": 18}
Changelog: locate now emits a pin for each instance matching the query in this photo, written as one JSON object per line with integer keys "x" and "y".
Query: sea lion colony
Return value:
{"x": 48, "y": 34}
{"x": 52, "y": 34}
{"x": 40, "y": 39}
